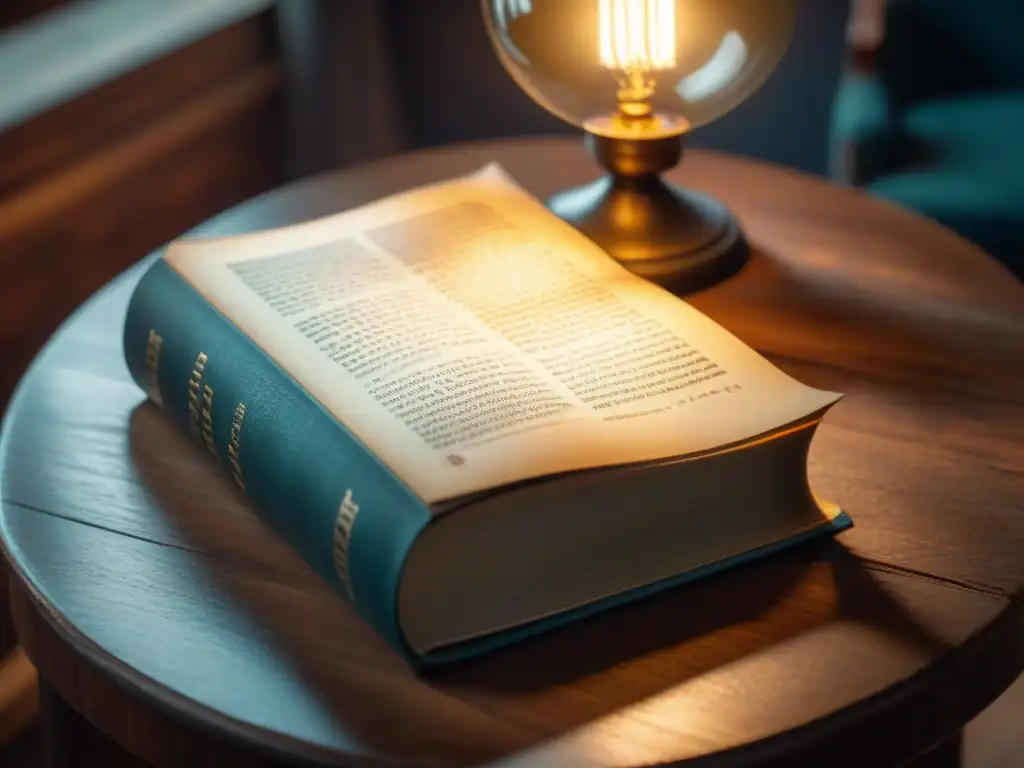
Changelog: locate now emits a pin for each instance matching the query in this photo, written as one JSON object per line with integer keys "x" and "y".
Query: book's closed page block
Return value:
{"x": 469, "y": 419}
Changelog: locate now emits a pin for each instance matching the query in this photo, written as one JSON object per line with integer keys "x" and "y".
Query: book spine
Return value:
{"x": 318, "y": 486}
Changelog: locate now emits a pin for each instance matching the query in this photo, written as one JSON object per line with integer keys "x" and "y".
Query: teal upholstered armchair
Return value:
{"x": 930, "y": 114}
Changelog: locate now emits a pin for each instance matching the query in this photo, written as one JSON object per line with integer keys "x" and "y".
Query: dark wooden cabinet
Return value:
{"x": 90, "y": 184}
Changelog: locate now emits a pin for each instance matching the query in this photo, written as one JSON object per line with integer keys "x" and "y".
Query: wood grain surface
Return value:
{"x": 158, "y": 605}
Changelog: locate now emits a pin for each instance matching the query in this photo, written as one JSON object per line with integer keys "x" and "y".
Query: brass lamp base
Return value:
{"x": 676, "y": 238}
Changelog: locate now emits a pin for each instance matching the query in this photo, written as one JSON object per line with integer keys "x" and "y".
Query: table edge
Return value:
{"x": 1002, "y": 638}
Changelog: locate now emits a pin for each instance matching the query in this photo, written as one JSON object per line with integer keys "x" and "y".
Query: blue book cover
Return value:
{"x": 470, "y": 437}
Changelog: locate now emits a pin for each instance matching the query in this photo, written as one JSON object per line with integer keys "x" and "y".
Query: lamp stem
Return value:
{"x": 677, "y": 238}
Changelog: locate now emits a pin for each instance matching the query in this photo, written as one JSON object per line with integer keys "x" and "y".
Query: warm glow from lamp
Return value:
{"x": 637, "y": 34}
{"x": 635, "y": 38}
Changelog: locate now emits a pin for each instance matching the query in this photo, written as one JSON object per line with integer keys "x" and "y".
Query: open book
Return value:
{"x": 469, "y": 418}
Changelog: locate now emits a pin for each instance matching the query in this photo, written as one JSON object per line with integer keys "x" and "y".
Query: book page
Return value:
{"x": 471, "y": 339}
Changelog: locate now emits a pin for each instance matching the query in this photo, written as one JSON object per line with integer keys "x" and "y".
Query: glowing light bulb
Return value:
{"x": 637, "y": 34}
{"x": 636, "y": 38}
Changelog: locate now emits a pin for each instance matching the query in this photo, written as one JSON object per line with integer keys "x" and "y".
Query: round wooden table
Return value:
{"x": 158, "y": 606}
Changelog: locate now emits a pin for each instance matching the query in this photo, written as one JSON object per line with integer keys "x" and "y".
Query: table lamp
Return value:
{"x": 637, "y": 76}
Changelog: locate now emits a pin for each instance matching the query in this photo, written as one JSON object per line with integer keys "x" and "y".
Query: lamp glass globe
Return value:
{"x": 662, "y": 66}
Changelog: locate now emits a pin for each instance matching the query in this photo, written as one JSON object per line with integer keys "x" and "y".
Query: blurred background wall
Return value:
{"x": 424, "y": 70}
{"x": 442, "y": 51}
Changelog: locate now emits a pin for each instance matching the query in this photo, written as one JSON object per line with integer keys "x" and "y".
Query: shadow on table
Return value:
{"x": 874, "y": 317}
{"x": 573, "y": 675}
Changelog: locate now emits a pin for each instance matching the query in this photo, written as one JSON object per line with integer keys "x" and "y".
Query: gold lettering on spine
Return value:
{"x": 194, "y": 387}
{"x": 206, "y": 419}
{"x": 342, "y": 534}
{"x": 153, "y": 345}
{"x": 234, "y": 444}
